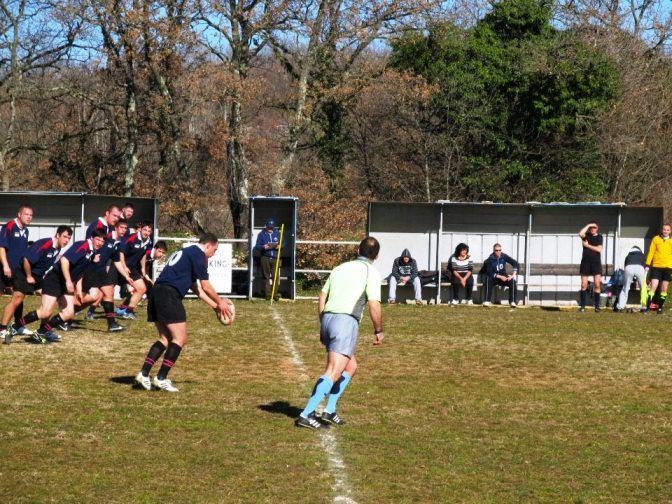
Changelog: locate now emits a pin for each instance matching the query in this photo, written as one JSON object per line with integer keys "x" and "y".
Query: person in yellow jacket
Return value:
{"x": 659, "y": 265}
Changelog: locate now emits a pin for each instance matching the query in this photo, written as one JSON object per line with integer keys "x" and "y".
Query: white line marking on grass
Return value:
{"x": 341, "y": 487}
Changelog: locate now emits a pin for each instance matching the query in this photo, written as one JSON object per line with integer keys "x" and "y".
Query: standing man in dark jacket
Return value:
{"x": 268, "y": 242}
{"x": 634, "y": 269}
{"x": 405, "y": 270}
{"x": 495, "y": 274}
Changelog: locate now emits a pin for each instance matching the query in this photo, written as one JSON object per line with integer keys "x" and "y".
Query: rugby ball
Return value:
{"x": 224, "y": 319}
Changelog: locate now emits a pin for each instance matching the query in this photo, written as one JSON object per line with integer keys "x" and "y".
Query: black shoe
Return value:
{"x": 114, "y": 327}
{"x": 332, "y": 418}
{"x": 598, "y": 310}
{"x": 582, "y": 310}
{"x": 659, "y": 311}
{"x": 310, "y": 422}
{"x": 65, "y": 326}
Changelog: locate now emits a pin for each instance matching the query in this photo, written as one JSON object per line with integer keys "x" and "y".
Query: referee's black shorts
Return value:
{"x": 164, "y": 304}
{"x": 21, "y": 282}
{"x": 53, "y": 284}
{"x": 661, "y": 274}
{"x": 590, "y": 268}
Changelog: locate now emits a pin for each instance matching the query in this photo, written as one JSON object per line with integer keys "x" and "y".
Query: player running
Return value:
{"x": 60, "y": 286}
{"x": 103, "y": 274}
{"x": 40, "y": 257}
{"x": 184, "y": 269}
{"x": 340, "y": 308}
{"x": 136, "y": 249}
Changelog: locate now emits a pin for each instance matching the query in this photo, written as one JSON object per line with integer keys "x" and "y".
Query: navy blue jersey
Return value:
{"x": 265, "y": 237}
{"x": 109, "y": 253}
{"x": 42, "y": 255}
{"x": 80, "y": 256}
{"x": 183, "y": 268}
{"x": 99, "y": 223}
{"x": 14, "y": 239}
{"x": 134, "y": 249}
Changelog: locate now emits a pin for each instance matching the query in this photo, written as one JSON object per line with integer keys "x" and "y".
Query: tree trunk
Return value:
{"x": 131, "y": 150}
{"x": 299, "y": 120}
{"x": 236, "y": 172}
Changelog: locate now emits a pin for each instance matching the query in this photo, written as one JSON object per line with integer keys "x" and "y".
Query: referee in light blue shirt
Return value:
{"x": 349, "y": 288}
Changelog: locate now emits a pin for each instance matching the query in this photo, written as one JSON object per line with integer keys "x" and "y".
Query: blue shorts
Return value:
{"x": 338, "y": 332}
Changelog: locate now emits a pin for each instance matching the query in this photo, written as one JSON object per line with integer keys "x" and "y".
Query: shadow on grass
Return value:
{"x": 281, "y": 407}
{"x": 123, "y": 380}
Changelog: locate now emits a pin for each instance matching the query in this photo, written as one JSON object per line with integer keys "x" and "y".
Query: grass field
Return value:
{"x": 460, "y": 404}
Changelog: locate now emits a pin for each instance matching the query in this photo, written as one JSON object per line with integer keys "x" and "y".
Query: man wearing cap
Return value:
{"x": 268, "y": 242}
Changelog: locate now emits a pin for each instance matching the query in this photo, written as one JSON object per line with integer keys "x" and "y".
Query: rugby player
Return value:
{"x": 184, "y": 270}
{"x": 13, "y": 246}
{"x": 61, "y": 284}
{"x": 40, "y": 257}
{"x": 659, "y": 266}
{"x": 101, "y": 276}
{"x": 136, "y": 248}
{"x": 105, "y": 222}
{"x": 341, "y": 305}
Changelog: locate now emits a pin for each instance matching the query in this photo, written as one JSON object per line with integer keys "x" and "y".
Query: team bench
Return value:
{"x": 429, "y": 289}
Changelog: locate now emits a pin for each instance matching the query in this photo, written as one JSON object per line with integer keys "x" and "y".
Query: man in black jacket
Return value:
{"x": 405, "y": 270}
{"x": 495, "y": 274}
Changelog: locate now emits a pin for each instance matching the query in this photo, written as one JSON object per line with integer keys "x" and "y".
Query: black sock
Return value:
{"x": 108, "y": 308}
{"x": 596, "y": 298}
{"x": 171, "y": 355}
{"x": 152, "y": 356}
{"x": 583, "y": 296}
{"x": 28, "y": 319}
{"x": 18, "y": 313}
{"x": 2, "y": 327}
{"x": 56, "y": 321}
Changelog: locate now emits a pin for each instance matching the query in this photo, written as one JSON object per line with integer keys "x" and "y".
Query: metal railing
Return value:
{"x": 245, "y": 241}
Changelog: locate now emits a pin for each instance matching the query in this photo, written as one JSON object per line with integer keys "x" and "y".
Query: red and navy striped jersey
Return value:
{"x": 80, "y": 255}
{"x": 99, "y": 223}
{"x": 134, "y": 248}
{"x": 14, "y": 239}
{"x": 42, "y": 255}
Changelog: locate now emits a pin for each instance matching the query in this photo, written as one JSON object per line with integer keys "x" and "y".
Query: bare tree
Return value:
{"x": 340, "y": 32}
{"x": 34, "y": 36}
{"x": 235, "y": 33}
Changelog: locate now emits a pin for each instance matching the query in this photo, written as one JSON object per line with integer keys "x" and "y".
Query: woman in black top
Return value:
{"x": 591, "y": 263}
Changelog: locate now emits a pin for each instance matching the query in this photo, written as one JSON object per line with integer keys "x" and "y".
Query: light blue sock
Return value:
{"x": 322, "y": 387}
{"x": 337, "y": 391}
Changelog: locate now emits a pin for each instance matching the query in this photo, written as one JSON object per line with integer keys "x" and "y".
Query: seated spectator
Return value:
{"x": 461, "y": 268}
{"x": 634, "y": 269}
{"x": 405, "y": 270}
{"x": 495, "y": 274}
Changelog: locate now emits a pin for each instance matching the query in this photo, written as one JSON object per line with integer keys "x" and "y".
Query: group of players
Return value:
{"x": 83, "y": 276}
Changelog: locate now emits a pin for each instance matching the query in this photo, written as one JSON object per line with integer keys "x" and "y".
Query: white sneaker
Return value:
{"x": 470, "y": 302}
{"x": 454, "y": 302}
{"x": 143, "y": 381}
{"x": 513, "y": 304}
{"x": 24, "y": 331}
{"x": 166, "y": 385}
{"x": 487, "y": 303}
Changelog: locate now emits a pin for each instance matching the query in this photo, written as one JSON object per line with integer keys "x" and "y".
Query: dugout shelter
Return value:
{"x": 284, "y": 211}
{"x": 542, "y": 237}
{"x": 52, "y": 209}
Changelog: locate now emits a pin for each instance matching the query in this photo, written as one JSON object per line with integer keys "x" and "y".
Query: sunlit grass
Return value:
{"x": 459, "y": 405}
